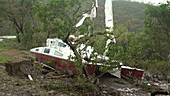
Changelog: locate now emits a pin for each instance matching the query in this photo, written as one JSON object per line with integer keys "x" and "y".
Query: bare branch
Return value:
{"x": 77, "y": 10}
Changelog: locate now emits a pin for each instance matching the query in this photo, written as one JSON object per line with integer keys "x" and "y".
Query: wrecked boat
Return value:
{"x": 58, "y": 53}
{"x": 129, "y": 72}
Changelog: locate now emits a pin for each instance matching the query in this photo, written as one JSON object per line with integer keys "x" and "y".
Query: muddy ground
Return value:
{"x": 14, "y": 81}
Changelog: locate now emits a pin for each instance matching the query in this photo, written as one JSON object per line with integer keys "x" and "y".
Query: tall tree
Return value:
{"x": 157, "y": 23}
{"x": 20, "y": 13}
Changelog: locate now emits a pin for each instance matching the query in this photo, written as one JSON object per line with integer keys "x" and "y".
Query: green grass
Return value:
{"x": 11, "y": 39}
{"x": 5, "y": 45}
{"x": 4, "y": 60}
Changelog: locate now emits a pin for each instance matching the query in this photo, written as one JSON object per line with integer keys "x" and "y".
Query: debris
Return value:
{"x": 149, "y": 84}
{"x": 130, "y": 72}
{"x": 145, "y": 83}
{"x": 62, "y": 76}
{"x": 105, "y": 92}
{"x": 29, "y": 76}
{"x": 44, "y": 65}
{"x": 131, "y": 90}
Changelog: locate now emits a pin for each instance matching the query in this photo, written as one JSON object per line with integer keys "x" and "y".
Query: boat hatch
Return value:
{"x": 61, "y": 44}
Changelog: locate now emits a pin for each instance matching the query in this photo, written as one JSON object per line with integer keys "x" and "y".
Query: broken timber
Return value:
{"x": 44, "y": 65}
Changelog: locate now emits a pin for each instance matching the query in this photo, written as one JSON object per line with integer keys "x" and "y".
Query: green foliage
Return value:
{"x": 160, "y": 67}
{"x": 19, "y": 16}
{"x": 4, "y": 45}
{"x": 147, "y": 48}
{"x": 157, "y": 39}
{"x": 38, "y": 67}
{"x": 158, "y": 30}
{"x": 99, "y": 40}
{"x": 8, "y": 43}
{"x": 26, "y": 40}
{"x": 39, "y": 39}
{"x": 125, "y": 11}
{"x": 57, "y": 16}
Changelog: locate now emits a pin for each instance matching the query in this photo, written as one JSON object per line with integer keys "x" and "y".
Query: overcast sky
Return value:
{"x": 152, "y": 1}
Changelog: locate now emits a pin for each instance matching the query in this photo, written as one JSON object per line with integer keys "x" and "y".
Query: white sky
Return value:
{"x": 155, "y": 2}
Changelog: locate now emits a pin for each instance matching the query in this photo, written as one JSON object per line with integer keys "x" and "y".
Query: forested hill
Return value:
{"x": 123, "y": 12}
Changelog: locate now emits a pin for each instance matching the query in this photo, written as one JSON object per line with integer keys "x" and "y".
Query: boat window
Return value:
{"x": 61, "y": 44}
{"x": 52, "y": 43}
{"x": 57, "y": 53}
{"x": 47, "y": 50}
{"x": 36, "y": 49}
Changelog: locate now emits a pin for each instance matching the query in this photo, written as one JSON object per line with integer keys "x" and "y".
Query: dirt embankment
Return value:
{"x": 21, "y": 64}
{"x": 13, "y": 74}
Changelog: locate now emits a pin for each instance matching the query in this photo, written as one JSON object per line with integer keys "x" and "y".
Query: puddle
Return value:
{"x": 162, "y": 85}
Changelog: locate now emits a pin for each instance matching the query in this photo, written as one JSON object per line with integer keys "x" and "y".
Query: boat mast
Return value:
{"x": 109, "y": 23}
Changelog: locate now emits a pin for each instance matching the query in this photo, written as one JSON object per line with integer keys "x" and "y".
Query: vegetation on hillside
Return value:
{"x": 147, "y": 48}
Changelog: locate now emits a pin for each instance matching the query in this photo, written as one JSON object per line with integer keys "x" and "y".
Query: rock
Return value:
{"x": 105, "y": 92}
{"x": 51, "y": 92}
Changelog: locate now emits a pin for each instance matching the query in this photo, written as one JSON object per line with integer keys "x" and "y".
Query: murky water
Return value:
{"x": 163, "y": 85}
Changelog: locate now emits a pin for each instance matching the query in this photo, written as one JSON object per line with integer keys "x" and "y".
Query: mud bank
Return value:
{"x": 21, "y": 63}
{"x": 22, "y": 69}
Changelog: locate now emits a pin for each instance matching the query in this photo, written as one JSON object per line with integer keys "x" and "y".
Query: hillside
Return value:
{"x": 124, "y": 11}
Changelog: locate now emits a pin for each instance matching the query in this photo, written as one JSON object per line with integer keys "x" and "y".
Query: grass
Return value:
{"x": 4, "y": 60}
{"x": 6, "y": 44}
{"x": 3, "y": 46}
